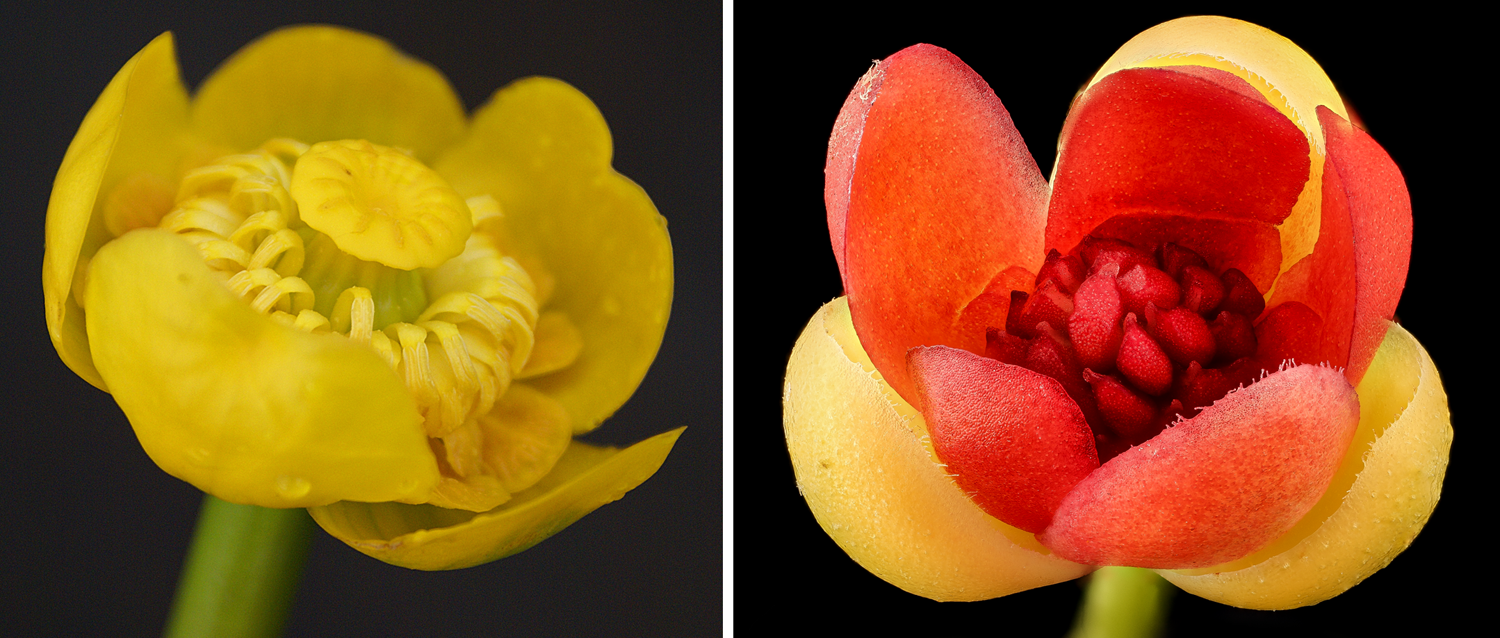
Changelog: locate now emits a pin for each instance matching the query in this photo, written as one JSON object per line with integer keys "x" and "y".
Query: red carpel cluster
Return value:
{"x": 1136, "y": 337}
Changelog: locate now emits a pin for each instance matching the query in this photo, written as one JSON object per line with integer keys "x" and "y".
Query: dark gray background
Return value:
{"x": 95, "y": 533}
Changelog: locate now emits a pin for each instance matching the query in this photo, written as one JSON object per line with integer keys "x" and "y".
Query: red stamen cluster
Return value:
{"x": 1136, "y": 338}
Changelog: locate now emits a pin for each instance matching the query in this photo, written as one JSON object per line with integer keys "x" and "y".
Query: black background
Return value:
{"x": 1413, "y": 77}
{"x": 94, "y": 533}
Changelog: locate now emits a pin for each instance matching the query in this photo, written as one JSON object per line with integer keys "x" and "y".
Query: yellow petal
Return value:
{"x": 240, "y": 406}
{"x": 875, "y": 488}
{"x": 320, "y": 83}
{"x": 136, "y": 127}
{"x": 557, "y": 345}
{"x": 1288, "y": 77}
{"x": 542, "y": 150}
{"x": 1397, "y": 462}
{"x": 426, "y": 537}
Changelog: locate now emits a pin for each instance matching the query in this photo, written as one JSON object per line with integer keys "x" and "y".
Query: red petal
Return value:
{"x": 937, "y": 195}
{"x": 1291, "y": 331}
{"x": 1013, "y": 439}
{"x": 1173, "y": 142}
{"x": 1218, "y": 486}
{"x": 1323, "y": 285}
{"x": 991, "y": 309}
{"x": 1380, "y": 213}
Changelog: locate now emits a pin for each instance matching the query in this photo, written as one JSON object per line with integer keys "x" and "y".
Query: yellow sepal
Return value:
{"x": 135, "y": 127}
{"x": 1384, "y": 493}
{"x": 318, "y": 83}
{"x": 542, "y": 150}
{"x": 431, "y": 538}
{"x": 878, "y": 492}
{"x": 240, "y": 406}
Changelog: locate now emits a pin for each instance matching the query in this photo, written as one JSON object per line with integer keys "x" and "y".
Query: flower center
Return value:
{"x": 356, "y": 239}
{"x": 1137, "y": 338}
{"x": 379, "y": 204}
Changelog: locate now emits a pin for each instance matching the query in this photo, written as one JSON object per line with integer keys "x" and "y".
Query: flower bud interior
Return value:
{"x": 1138, "y": 336}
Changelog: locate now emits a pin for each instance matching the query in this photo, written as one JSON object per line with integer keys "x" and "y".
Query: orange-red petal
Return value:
{"x": 1380, "y": 217}
{"x": 1180, "y": 141}
{"x": 1218, "y": 486}
{"x": 935, "y": 195}
{"x": 1012, "y": 438}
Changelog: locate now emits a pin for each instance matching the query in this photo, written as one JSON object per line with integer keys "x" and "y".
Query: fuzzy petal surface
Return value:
{"x": 321, "y": 83}
{"x": 1384, "y": 493}
{"x": 542, "y": 149}
{"x": 1218, "y": 486}
{"x": 926, "y": 156}
{"x": 879, "y": 492}
{"x": 242, "y": 407}
{"x": 432, "y": 538}
{"x": 1013, "y": 438}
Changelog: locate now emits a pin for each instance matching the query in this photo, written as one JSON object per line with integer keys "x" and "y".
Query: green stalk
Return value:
{"x": 1123, "y": 602}
{"x": 241, "y": 571}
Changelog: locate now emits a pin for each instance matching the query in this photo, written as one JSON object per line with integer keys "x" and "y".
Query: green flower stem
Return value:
{"x": 241, "y": 571}
{"x": 1123, "y": 602}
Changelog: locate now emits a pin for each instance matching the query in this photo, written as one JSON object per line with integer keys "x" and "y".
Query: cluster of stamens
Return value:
{"x": 1137, "y": 338}
{"x": 456, "y": 334}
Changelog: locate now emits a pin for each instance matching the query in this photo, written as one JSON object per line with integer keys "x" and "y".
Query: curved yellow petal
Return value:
{"x": 136, "y": 127}
{"x": 320, "y": 83}
{"x": 1286, "y": 75}
{"x": 542, "y": 150}
{"x": 875, "y": 488}
{"x": 557, "y": 345}
{"x": 1397, "y": 462}
{"x": 431, "y": 538}
{"x": 241, "y": 407}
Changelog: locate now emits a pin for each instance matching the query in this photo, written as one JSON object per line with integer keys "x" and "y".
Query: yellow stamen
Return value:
{"x": 257, "y": 230}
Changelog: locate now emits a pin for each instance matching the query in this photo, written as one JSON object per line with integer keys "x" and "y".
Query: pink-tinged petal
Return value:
{"x": 1170, "y": 142}
{"x": 1218, "y": 486}
{"x": 1382, "y": 495}
{"x": 1380, "y": 216}
{"x": 938, "y": 197}
{"x": 1012, "y": 438}
{"x": 875, "y": 488}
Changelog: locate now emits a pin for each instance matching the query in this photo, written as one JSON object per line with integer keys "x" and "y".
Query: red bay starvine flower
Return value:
{"x": 1177, "y": 355}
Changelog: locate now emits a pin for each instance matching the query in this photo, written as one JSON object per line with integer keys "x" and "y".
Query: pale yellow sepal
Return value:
{"x": 1398, "y": 457}
{"x": 542, "y": 149}
{"x": 240, "y": 406}
{"x": 317, "y": 83}
{"x": 135, "y": 127}
{"x": 876, "y": 490}
{"x": 431, "y": 538}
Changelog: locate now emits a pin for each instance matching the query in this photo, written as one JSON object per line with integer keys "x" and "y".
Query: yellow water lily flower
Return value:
{"x": 317, "y": 284}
